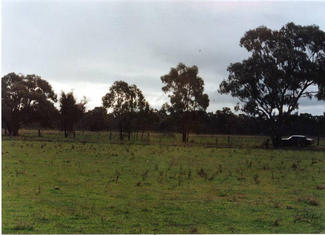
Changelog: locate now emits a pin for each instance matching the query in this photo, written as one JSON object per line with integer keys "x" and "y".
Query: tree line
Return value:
{"x": 281, "y": 68}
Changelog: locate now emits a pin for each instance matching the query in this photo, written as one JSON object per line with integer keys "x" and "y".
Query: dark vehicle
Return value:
{"x": 297, "y": 140}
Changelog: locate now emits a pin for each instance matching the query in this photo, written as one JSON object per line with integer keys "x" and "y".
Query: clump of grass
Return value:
{"x": 220, "y": 168}
{"x": 145, "y": 175}
{"x": 307, "y": 215}
{"x": 202, "y": 173}
{"x": 117, "y": 175}
{"x": 23, "y": 226}
{"x": 189, "y": 174}
{"x": 320, "y": 187}
{"x": 213, "y": 176}
{"x": 256, "y": 179}
{"x": 276, "y": 204}
{"x": 276, "y": 222}
{"x": 309, "y": 200}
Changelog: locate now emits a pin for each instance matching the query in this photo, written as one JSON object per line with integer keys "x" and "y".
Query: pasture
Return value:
{"x": 154, "y": 184}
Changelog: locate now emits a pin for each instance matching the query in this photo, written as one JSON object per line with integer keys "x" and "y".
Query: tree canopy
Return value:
{"x": 185, "y": 90}
{"x": 282, "y": 65}
{"x": 124, "y": 101}
{"x": 23, "y": 99}
{"x": 70, "y": 111}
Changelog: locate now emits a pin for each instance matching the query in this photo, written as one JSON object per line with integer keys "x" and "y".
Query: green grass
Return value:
{"x": 97, "y": 187}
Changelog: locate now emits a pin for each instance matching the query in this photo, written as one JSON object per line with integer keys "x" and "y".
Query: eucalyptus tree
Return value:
{"x": 125, "y": 102}
{"x": 185, "y": 90}
{"x": 282, "y": 67}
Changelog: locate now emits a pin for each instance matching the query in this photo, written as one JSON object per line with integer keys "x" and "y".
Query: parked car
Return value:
{"x": 297, "y": 140}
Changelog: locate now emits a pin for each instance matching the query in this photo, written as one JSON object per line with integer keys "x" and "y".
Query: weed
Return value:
{"x": 307, "y": 215}
{"x": 309, "y": 200}
{"x": 256, "y": 179}
{"x": 202, "y": 173}
{"x": 189, "y": 174}
{"x": 23, "y": 226}
{"x": 276, "y": 222}
{"x": 117, "y": 175}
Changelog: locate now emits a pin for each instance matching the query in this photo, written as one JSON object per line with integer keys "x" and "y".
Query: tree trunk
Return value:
{"x": 129, "y": 135}
{"x": 121, "y": 133}
{"x": 39, "y": 133}
{"x": 15, "y": 132}
{"x": 276, "y": 140}
{"x": 65, "y": 133}
{"x": 184, "y": 135}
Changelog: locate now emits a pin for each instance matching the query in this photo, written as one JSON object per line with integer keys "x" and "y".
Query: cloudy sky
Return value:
{"x": 85, "y": 46}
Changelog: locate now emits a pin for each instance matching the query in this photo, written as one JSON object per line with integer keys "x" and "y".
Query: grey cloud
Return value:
{"x": 104, "y": 41}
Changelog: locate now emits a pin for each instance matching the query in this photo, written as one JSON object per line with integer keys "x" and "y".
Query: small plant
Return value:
{"x": 220, "y": 168}
{"x": 256, "y": 179}
{"x": 117, "y": 175}
{"x": 202, "y": 173}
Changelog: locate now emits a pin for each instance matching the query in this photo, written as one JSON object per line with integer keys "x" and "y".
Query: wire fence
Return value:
{"x": 145, "y": 138}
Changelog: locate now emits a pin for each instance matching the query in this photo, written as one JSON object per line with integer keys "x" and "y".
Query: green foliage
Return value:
{"x": 70, "y": 111}
{"x": 282, "y": 65}
{"x": 25, "y": 99}
{"x": 185, "y": 90}
{"x": 123, "y": 98}
{"x": 96, "y": 119}
{"x": 127, "y": 104}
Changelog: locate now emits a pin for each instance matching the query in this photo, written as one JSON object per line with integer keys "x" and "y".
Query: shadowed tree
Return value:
{"x": 96, "y": 119}
{"x": 46, "y": 114}
{"x": 70, "y": 112}
{"x": 185, "y": 90}
{"x": 282, "y": 66}
{"x": 25, "y": 99}
{"x": 125, "y": 101}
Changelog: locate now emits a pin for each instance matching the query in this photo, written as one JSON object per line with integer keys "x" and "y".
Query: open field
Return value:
{"x": 156, "y": 185}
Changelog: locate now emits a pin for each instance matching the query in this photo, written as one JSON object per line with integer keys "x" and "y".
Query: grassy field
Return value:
{"x": 156, "y": 185}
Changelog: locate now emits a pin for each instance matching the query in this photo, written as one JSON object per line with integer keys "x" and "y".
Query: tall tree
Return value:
{"x": 124, "y": 101}
{"x": 70, "y": 112}
{"x": 282, "y": 66}
{"x": 185, "y": 90}
{"x": 24, "y": 98}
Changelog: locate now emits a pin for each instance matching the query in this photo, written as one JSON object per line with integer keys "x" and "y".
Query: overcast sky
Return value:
{"x": 85, "y": 46}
